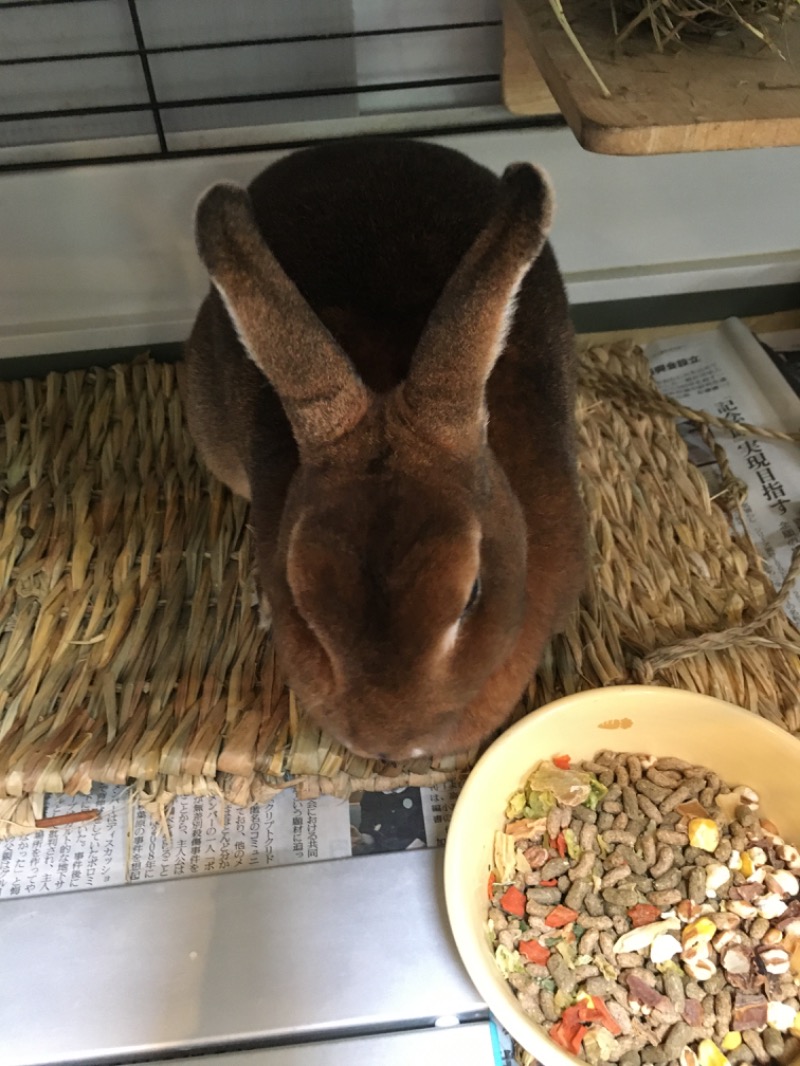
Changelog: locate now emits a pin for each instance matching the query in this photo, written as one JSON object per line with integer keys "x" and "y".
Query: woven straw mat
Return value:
{"x": 130, "y": 646}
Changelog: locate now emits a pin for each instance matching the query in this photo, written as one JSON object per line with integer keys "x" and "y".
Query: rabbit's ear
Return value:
{"x": 467, "y": 330}
{"x": 316, "y": 382}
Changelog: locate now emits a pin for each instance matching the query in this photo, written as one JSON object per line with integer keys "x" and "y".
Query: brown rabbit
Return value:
{"x": 384, "y": 367}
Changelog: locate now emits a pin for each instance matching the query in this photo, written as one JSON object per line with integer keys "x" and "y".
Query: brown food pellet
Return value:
{"x": 588, "y": 942}
{"x": 773, "y": 1042}
{"x": 619, "y": 836}
{"x": 697, "y": 885}
{"x": 621, "y": 775}
{"x": 673, "y": 989}
{"x": 630, "y": 1058}
{"x": 555, "y": 868}
{"x": 583, "y": 867}
{"x": 553, "y": 822}
{"x": 665, "y": 898}
{"x": 634, "y": 768}
{"x": 663, "y": 863}
{"x": 547, "y": 1003}
{"x": 671, "y": 879}
{"x": 668, "y": 779}
{"x": 626, "y": 852}
{"x": 756, "y": 1045}
{"x": 650, "y": 809}
{"x": 650, "y": 791}
{"x": 672, "y": 836}
{"x": 577, "y": 893}
{"x": 623, "y": 896}
{"x": 584, "y": 814}
{"x": 615, "y": 875}
{"x": 594, "y": 905}
{"x": 649, "y": 853}
{"x": 545, "y": 895}
{"x": 740, "y": 1054}
{"x": 680, "y": 795}
{"x": 588, "y": 837}
{"x": 677, "y": 1038}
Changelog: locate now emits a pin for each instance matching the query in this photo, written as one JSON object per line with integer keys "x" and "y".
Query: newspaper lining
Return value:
{"x": 730, "y": 374}
{"x": 204, "y": 835}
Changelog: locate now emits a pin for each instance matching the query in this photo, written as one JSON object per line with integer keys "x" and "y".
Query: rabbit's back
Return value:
{"x": 375, "y": 225}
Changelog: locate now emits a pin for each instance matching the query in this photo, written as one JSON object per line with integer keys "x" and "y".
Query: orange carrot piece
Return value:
{"x": 513, "y": 901}
{"x": 560, "y": 916}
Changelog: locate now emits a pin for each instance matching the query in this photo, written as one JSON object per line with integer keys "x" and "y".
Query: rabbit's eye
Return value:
{"x": 474, "y": 596}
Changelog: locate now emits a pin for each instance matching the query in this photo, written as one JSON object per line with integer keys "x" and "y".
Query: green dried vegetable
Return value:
{"x": 508, "y": 962}
{"x": 574, "y": 849}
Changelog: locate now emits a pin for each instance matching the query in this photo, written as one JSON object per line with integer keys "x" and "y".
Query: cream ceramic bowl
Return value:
{"x": 740, "y": 746}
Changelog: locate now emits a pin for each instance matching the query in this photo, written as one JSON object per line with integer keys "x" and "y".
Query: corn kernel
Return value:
{"x": 709, "y": 1054}
{"x": 704, "y": 833}
{"x": 700, "y": 931}
{"x": 795, "y": 1030}
{"x": 747, "y": 865}
{"x": 731, "y": 1041}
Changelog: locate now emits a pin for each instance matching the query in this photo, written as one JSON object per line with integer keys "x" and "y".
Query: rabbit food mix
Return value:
{"x": 645, "y": 913}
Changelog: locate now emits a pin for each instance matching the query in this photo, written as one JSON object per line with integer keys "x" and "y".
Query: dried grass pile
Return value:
{"x": 672, "y": 21}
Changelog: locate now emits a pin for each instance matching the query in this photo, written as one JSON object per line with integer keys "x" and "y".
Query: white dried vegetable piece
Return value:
{"x": 790, "y": 855}
{"x": 717, "y": 875}
{"x": 780, "y": 1016}
{"x": 735, "y": 960}
{"x": 698, "y": 949}
{"x": 742, "y": 908}
{"x": 770, "y": 906}
{"x": 664, "y": 947}
{"x": 735, "y": 860}
{"x": 783, "y": 882}
{"x": 775, "y": 960}
{"x": 505, "y": 863}
{"x": 724, "y": 938}
{"x": 700, "y": 968}
{"x": 644, "y": 935}
{"x": 522, "y": 864}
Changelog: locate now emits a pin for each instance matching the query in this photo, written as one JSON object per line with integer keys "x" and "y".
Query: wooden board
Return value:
{"x": 525, "y": 91}
{"x": 710, "y": 94}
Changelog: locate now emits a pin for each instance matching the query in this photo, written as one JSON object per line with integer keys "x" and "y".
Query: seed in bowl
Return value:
{"x": 644, "y": 912}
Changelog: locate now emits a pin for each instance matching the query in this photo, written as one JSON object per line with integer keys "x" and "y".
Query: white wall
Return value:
{"x": 103, "y": 256}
